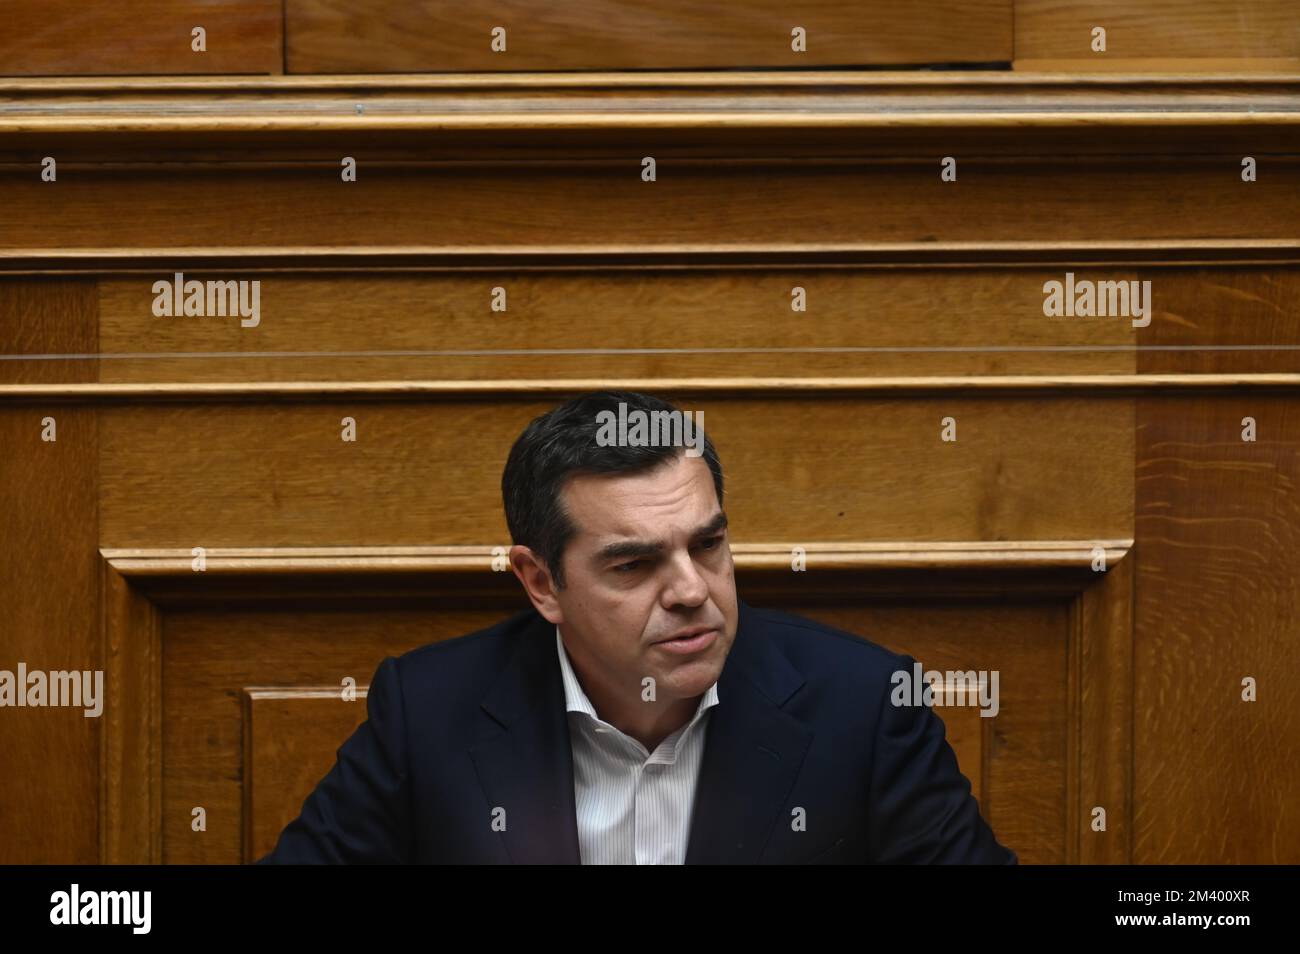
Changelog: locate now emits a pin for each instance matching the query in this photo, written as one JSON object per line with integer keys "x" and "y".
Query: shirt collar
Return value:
{"x": 575, "y": 700}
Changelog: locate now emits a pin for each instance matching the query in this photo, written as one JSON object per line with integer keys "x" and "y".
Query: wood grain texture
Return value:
{"x": 633, "y": 323}
{"x": 209, "y": 662}
{"x": 804, "y": 206}
{"x": 290, "y": 737}
{"x": 1157, "y": 32}
{"x": 392, "y": 36}
{"x": 677, "y": 114}
{"x": 720, "y": 323}
{"x": 1100, "y": 700}
{"x": 1223, "y": 321}
{"x": 40, "y": 317}
{"x": 869, "y": 469}
{"x": 140, "y": 36}
{"x": 130, "y": 797}
{"x": 1217, "y": 577}
{"x": 1216, "y": 584}
{"x": 48, "y": 584}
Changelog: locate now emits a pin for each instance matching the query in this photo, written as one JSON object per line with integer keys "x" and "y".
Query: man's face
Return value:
{"x": 650, "y": 559}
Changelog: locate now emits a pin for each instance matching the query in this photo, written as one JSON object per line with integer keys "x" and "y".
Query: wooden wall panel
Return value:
{"x": 49, "y": 620}
{"x": 1218, "y": 538}
{"x": 865, "y": 469}
{"x": 1184, "y": 35}
{"x": 703, "y": 205}
{"x": 209, "y": 660}
{"x": 536, "y": 186}
{"x": 1223, "y": 321}
{"x": 64, "y": 37}
{"x": 48, "y": 316}
{"x": 736, "y": 321}
{"x": 369, "y": 36}
{"x": 290, "y": 739}
{"x": 712, "y": 323}
{"x": 1020, "y": 756}
{"x": 1216, "y": 582}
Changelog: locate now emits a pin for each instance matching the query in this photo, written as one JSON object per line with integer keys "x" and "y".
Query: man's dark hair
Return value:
{"x": 561, "y": 444}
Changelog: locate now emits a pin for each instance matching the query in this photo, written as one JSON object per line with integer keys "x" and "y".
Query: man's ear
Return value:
{"x": 537, "y": 581}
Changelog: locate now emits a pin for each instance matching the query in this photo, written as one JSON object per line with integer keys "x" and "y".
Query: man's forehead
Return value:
{"x": 659, "y": 531}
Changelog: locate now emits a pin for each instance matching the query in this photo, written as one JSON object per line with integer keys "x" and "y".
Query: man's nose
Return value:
{"x": 686, "y": 587}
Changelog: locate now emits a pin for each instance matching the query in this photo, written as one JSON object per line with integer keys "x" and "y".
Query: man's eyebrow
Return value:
{"x": 715, "y": 525}
{"x": 643, "y": 548}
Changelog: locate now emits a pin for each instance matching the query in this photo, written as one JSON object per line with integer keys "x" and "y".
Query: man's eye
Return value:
{"x": 627, "y": 567}
{"x": 712, "y": 543}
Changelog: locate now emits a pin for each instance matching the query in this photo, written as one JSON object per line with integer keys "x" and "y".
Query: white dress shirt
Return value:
{"x": 633, "y": 806}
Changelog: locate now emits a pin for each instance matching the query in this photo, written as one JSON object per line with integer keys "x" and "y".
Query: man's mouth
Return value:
{"x": 690, "y": 640}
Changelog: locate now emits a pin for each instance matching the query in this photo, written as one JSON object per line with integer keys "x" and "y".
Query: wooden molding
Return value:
{"x": 256, "y": 693}
{"x": 1099, "y": 752}
{"x": 806, "y": 113}
{"x": 512, "y": 95}
{"x": 130, "y": 769}
{"x": 422, "y": 259}
{"x": 414, "y": 390}
{"x": 1002, "y": 556}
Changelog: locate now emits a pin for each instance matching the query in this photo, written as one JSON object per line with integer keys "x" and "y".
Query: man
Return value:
{"x": 639, "y": 712}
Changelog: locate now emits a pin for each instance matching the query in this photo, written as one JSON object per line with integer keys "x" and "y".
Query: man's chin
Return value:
{"x": 690, "y": 679}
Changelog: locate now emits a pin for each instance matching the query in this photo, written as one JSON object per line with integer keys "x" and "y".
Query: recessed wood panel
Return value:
{"x": 209, "y": 658}
{"x": 1019, "y": 774}
{"x": 290, "y": 736}
{"x": 391, "y": 36}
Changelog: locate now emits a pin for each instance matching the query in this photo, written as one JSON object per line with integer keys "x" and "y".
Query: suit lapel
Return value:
{"x": 753, "y": 751}
{"x": 523, "y": 756}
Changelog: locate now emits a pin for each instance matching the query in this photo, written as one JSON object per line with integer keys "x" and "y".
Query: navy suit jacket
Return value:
{"x": 459, "y": 728}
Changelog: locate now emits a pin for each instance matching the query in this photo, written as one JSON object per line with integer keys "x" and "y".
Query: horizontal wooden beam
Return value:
{"x": 717, "y": 388}
{"x": 1007, "y": 555}
{"x": 333, "y": 259}
{"x": 843, "y": 112}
